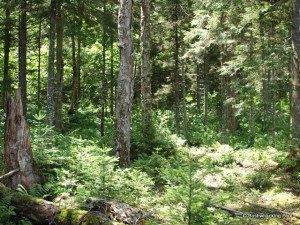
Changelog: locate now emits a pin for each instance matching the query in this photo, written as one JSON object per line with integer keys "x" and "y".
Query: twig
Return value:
{"x": 9, "y": 174}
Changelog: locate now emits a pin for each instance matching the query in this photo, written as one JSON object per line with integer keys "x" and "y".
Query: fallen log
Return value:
{"x": 44, "y": 212}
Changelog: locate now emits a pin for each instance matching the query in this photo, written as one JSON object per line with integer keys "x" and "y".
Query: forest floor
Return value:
{"x": 258, "y": 184}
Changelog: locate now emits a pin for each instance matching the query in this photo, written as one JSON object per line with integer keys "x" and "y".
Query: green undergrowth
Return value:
{"x": 170, "y": 180}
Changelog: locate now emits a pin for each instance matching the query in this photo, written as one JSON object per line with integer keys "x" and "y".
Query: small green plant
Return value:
{"x": 6, "y": 210}
{"x": 260, "y": 180}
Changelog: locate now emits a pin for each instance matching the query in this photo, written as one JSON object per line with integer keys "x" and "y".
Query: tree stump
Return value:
{"x": 17, "y": 148}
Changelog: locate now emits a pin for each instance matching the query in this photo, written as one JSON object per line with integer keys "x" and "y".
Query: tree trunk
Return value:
{"x": 7, "y": 42}
{"x": 176, "y": 73}
{"x": 51, "y": 56}
{"x": 125, "y": 83}
{"x": 224, "y": 110}
{"x": 23, "y": 54}
{"x": 17, "y": 148}
{"x": 103, "y": 90}
{"x": 185, "y": 116}
{"x": 295, "y": 85}
{"x": 198, "y": 87}
{"x": 232, "y": 122}
{"x": 147, "y": 127}
{"x": 112, "y": 80}
{"x": 39, "y": 64}
{"x": 76, "y": 60}
{"x": 59, "y": 67}
{"x": 206, "y": 87}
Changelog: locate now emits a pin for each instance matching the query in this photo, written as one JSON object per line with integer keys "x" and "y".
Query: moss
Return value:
{"x": 71, "y": 216}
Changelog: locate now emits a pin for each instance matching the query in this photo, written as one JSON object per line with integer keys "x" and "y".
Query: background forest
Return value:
{"x": 213, "y": 123}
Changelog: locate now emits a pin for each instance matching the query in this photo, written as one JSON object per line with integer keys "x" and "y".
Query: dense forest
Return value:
{"x": 150, "y": 112}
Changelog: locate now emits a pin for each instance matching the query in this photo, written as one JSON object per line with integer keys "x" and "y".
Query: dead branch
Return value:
{"x": 9, "y": 174}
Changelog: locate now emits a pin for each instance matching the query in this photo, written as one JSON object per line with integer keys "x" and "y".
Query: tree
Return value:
{"x": 147, "y": 126}
{"x": 59, "y": 66}
{"x": 295, "y": 92}
{"x": 104, "y": 81}
{"x": 50, "y": 84}
{"x": 17, "y": 148}
{"x": 7, "y": 43}
{"x": 23, "y": 53}
{"x": 125, "y": 83}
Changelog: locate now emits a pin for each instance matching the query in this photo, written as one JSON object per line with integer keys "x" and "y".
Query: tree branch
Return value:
{"x": 9, "y": 174}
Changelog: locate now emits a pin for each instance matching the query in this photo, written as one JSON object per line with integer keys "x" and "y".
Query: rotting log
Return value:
{"x": 44, "y": 212}
{"x": 17, "y": 147}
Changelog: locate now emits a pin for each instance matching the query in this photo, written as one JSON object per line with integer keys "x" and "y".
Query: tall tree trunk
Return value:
{"x": 206, "y": 86}
{"x": 103, "y": 90}
{"x": 147, "y": 126}
{"x": 295, "y": 86}
{"x": 232, "y": 122}
{"x": 112, "y": 80}
{"x": 51, "y": 56}
{"x": 224, "y": 110}
{"x": 176, "y": 73}
{"x": 39, "y": 64}
{"x": 198, "y": 87}
{"x": 17, "y": 148}
{"x": 59, "y": 66}
{"x": 185, "y": 117}
{"x": 7, "y": 42}
{"x": 125, "y": 83}
{"x": 23, "y": 54}
{"x": 76, "y": 60}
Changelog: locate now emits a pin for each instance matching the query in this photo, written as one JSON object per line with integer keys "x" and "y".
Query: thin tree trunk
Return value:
{"x": 198, "y": 87}
{"x": 17, "y": 148}
{"x": 23, "y": 54}
{"x": 206, "y": 86}
{"x": 7, "y": 43}
{"x": 185, "y": 117}
{"x": 39, "y": 64}
{"x": 59, "y": 67}
{"x": 125, "y": 83}
{"x": 252, "y": 93}
{"x": 51, "y": 56}
{"x": 147, "y": 126}
{"x": 74, "y": 71}
{"x": 224, "y": 110}
{"x": 103, "y": 90}
{"x": 112, "y": 80}
{"x": 176, "y": 74}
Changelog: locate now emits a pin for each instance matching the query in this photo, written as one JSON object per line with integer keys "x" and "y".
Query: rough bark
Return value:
{"x": 17, "y": 147}
{"x": 232, "y": 122}
{"x": 7, "y": 43}
{"x": 295, "y": 81}
{"x": 59, "y": 66}
{"x": 198, "y": 87}
{"x": 125, "y": 83}
{"x": 23, "y": 54}
{"x": 51, "y": 56}
{"x": 146, "y": 70}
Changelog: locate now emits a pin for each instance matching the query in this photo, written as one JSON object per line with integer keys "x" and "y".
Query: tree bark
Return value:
{"x": 125, "y": 83}
{"x": 176, "y": 72}
{"x": 295, "y": 82}
{"x": 103, "y": 90}
{"x": 23, "y": 54}
{"x": 17, "y": 148}
{"x": 39, "y": 64}
{"x": 198, "y": 87}
{"x": 112, "y": 80}
{"x": 7, "y": 43}
{"x": 59, "y": 67}
{"x": 147, "y": 127}
{"x": 51, "y": 56}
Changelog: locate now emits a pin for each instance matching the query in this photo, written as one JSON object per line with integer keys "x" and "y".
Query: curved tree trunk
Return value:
{"x": 17, "y": 148}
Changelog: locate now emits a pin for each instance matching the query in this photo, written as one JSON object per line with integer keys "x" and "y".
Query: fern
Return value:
{"x": 37, "y": 190}
{"x": 6, "y": 209}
